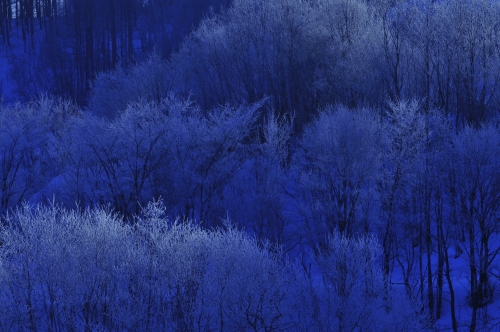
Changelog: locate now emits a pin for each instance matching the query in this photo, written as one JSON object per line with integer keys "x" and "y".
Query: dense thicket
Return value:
{"x": 305, "y": 54}
{"x": 302, "y": 55}
{"x": 309, "y": 123}
{"x": 69, "y": 271}
{"x": 406, "y": 175}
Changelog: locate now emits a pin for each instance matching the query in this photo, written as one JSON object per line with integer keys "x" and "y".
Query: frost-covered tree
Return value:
{"x": 470, "y": 28}
{"x": 28, "y": 148}
{"x": 348, "y": 52}
{"x": 113, "y": 90}
{"x": 62, "y": 268}
{"x": 339, "y": 163}
{"x": 253, "y": 50}
{"x": 350, "y": 295}
{"x": 404, "y": 130}
{"x": 422, "y": 233}
{"x": 206, "y": 151}
{"x": 118, "y": 160}
{"x": 169, "y": 149}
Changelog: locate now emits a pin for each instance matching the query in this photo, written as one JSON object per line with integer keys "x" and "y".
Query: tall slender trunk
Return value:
{"x": 441, "y": 248}
{"x": 428, "y": 245}
{"x": 454, "y": 323}
{"x": 473, "y": 270}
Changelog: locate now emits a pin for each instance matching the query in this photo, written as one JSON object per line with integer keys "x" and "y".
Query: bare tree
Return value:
{"x": 476, "y": 154}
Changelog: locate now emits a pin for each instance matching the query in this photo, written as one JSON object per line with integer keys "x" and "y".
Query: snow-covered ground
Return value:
{"x": 488, "y": 317}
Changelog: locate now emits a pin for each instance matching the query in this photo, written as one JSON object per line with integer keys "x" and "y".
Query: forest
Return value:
{"x": 256, "y": 165}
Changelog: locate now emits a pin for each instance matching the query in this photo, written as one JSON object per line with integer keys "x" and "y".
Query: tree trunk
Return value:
{"x": 428, "y": 245}
{"x": 454, "y": 323}
{"x": 441, "y": 248}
